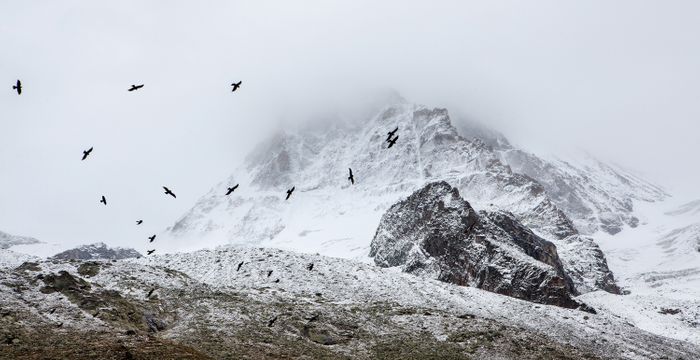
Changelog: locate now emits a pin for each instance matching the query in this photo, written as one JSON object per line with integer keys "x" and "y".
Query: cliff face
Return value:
{"x": 437, "y": 234}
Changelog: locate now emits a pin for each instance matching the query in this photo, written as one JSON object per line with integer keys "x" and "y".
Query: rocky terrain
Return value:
{"x": 97, "y": 251}
{"x": 207, "y": 305}
{"x": 437, "y": 234}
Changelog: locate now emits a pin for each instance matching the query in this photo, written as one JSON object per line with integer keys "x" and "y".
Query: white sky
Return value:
{"x": 619, "y": 79}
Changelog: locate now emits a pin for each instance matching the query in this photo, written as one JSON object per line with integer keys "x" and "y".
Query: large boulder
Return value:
{"x": 436, "y": 233}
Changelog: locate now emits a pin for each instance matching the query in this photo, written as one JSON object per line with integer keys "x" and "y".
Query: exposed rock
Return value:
{"x": 97, "y": 251}
{"x": 436, "y": 233}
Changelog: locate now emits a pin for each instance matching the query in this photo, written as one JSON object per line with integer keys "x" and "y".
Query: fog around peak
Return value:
{"x": 616, "y": 79}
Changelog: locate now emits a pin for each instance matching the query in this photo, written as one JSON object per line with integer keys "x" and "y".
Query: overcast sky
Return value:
{"x": 619, "y": 79}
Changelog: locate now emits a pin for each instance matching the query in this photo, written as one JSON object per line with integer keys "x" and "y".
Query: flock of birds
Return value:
{"x": 391, "y": 140}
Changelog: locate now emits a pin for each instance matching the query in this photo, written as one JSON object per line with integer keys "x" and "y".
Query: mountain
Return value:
{"x": 7, "y": 240}
{"x": 97, "y": 251}
{"x": 437, "y": 234}
{"x": 327, "y": 214}
{"x": 204, "y": 307}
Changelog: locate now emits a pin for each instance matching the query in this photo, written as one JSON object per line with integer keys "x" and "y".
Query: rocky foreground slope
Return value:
{"x": 235, "y": 303}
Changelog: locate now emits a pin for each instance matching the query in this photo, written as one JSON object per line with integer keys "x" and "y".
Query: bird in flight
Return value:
{"x": 18, "y": 87}
{"x": 239, "y": 266}
{"x": 391, "y": 133}
{"x": 152, "y": 238}
{"x": 104, "y": 201}
{"x": 150, "y": 293}
{"x": 310, "y": 266}
{"x": 269, "y": 272}
{"x": 393, "y": 141}
{"x": 149, "y": 252}
{"x": 351, "y": 178}
{"x": 272, "y": 321}
{"x": 289, "y": 192}
{"x": 236, "y": 86}
{"x": 232, "y": 189}
{"x": 168, "y": 192}
{"x": 139, "y": 222}
{"x": 86, "y": 153}
{"x": 135, "y": 87}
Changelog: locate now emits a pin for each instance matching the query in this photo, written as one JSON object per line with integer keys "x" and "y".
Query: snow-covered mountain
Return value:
{"x": 97, "y": 251}
{"x": 7, "y": 240}
{"x": 328, "y": 215}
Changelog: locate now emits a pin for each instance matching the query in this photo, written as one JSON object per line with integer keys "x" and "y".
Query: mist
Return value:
{"x": 619, "y": 80}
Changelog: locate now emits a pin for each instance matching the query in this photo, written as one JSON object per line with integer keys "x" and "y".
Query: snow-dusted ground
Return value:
{"x": 344, "y": 281}
{"x": 658, "y": 263}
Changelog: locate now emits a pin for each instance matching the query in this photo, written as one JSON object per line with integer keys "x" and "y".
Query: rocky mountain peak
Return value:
{"x": 435, "y": 233}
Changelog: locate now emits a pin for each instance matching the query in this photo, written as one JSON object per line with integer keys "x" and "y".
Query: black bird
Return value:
{"x": 393, "y": 141}
{"x": 149, "y": 252}
{"x": 139, "y": 222}
{"x": 18, "y": 87}
{"x": 269, "y": 272}
{"x": 239, "y": 265}
{"x": 310, "y": 266}
{"x": 236, "y": 86}
{"x": 86, "y": 153}
{"x": 135, "y": 87}
{"x": 278, "y": 280}
{"x": 351, "y": 178}
{"x": 104, "y": 201}
{"x": 391, "y": 133}
{"x": 152, "y": 238}
{"x": 150, "y": 293}
{"x": 231, "y": 189}
{"x": 168, "y": 192}
{"x": 59, "y": 324}
{"x": 289, "y": 192}
{"x": 52, "y": 311}
{"x": 272, "y": 321}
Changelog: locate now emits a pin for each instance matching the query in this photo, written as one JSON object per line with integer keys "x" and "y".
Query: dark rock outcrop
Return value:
{"x": 436, "y": 233}
{"x": 97, "y": 251}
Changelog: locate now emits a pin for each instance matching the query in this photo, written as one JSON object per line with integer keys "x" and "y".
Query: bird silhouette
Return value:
{"x": 149, "y": 252}
{"x": 168, "y": 192}
{"x": 151, "y": 238}
{"x": 139, "y": 222}
{"x": 391, "y": 133}
{"x": 104, "y": 201}
{"x": 310, "y": 266}
{"x": 289, "y": 192}
{"x": 351, "y": 178}
{"x": 135, "y": 87}
{"x": 150, "y": 293}
{"x": 277, "y": 281}
{"x": 18, "y": 87}
{"x": 393, "y": 141}
{"x": 86, "y": 153}
{"x": 269, "y": 272}
{"x": 239, "y": 266}
{"x": 52, "y": 311}
{"x": 231, "y": 189}
{"x": 236, "y": 86}
{"x": 272, "y": 321}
